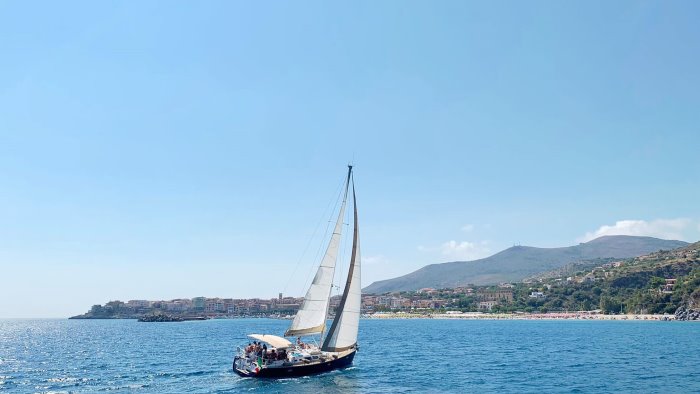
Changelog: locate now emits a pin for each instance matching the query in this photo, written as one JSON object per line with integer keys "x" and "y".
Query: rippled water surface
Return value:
{"x": 396, "y": 356}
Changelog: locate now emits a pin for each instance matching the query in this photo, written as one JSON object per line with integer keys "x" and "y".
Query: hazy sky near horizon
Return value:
{"x": 154, "y": 150}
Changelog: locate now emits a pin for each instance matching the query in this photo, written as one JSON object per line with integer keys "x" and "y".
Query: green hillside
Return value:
{"x": 519, "y": 262}
{"x": 660, "y": 282}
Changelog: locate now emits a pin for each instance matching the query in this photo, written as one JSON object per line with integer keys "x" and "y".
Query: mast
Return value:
{"x": 343, "y": 332}
{"x": 311, "y": 317}
{"x": 328, "y": 306}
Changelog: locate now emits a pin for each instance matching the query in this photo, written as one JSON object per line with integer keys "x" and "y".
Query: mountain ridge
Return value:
{"x": 518, "y": 262}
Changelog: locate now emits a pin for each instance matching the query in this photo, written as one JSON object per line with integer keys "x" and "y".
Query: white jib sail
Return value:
{"x": 343, "y": 333}
{"x": 311, "y": 317}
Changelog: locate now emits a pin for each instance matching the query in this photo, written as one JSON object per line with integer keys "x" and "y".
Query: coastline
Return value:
{"x": 521, "y": 316}
{"x": 446, "y": 316}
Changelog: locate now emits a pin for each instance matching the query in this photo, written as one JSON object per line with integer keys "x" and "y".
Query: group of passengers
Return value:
{"x": 302, "y": 345}
{"x": 257, "y": 349}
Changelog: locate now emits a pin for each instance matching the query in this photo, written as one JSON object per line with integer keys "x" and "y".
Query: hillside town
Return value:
{"x": 657, "y": 283}
{"x": 197, "y": 306}
{"x": 427, "y": 299}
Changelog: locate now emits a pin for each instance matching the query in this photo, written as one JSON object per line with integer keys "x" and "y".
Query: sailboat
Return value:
{"x": 275, "y": 356}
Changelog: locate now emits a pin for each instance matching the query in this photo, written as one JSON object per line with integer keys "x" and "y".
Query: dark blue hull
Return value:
{"x": 299, "y": 370}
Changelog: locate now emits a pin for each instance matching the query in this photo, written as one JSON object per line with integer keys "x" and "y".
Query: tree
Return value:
{"x": 610, "y": 305}
{"x": 655, "y": 282}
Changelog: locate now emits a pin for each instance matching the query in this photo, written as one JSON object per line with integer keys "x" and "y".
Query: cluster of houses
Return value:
{"x": 597, "y": 273}
{"x": 207, "y": 306}
{"x": 429, "y": 298}
{"x": 687, "y": 254}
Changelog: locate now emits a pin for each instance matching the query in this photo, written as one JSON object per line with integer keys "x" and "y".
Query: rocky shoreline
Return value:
{"x": 156, "y": 317}
{"x": 164, "y": 318}
{"x": 684, "y": 313}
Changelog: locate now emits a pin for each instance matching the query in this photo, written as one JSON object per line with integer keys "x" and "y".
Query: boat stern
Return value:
{"x": 245, "y": 367}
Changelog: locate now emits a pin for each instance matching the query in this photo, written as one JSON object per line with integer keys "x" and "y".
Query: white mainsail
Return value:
{"x": 311, "y": 317}
{"x": 343, "y": 333}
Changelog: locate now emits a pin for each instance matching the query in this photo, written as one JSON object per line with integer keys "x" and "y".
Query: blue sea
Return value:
{"x": 396, "y": 356}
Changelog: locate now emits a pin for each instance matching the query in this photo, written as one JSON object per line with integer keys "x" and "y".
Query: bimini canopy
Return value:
{"x": 273, "y": 340}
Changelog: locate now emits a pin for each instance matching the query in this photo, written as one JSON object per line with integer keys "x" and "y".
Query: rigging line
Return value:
{"x": 307, "y": 282}
{"x": 308, "y": 244}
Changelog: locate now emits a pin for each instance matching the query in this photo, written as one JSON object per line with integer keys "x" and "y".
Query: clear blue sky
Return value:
{"x": 176, "y": 149}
